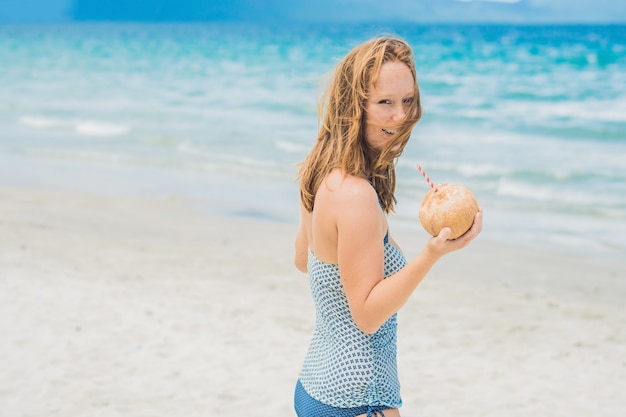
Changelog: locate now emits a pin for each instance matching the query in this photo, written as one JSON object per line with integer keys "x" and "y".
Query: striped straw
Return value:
{"x": 426, "y": 177}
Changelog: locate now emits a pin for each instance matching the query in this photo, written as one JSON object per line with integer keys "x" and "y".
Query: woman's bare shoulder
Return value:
{"x": 348, "y": 189}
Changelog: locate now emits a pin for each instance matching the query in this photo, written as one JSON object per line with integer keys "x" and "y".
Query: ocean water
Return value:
{"x": 531, "y": 118}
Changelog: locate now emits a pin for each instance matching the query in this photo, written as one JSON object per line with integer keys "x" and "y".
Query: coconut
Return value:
{"x": 452, "y": 206}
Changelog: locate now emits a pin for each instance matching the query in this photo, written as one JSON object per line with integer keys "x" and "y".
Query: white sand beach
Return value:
{"x": 114, "y": 306}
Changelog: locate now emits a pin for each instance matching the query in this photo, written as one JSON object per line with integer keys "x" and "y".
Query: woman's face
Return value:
{"x": 390, "y": 98}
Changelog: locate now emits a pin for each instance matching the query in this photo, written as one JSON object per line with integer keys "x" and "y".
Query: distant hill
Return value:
{"x": 276, "y": 11}
{"x": 518, "y": 11}
{"x": 168, "y": 10}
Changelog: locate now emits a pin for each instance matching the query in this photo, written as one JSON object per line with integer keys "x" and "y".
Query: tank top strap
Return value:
{"x": 386, "y": 239}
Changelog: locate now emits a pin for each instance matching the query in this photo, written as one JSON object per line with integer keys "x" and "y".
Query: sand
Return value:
{"x": 118, "y": 306}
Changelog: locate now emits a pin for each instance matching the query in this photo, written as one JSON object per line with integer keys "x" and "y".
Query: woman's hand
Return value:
{"x": 440, "y": 245}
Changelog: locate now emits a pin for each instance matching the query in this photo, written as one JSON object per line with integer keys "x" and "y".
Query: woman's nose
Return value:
{"x": 399, "y": 112}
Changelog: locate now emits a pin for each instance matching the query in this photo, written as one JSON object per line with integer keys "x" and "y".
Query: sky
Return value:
{"x": 492, "y": 11}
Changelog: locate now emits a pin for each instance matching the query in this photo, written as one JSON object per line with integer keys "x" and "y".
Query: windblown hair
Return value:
{"x": 341, "y": 140}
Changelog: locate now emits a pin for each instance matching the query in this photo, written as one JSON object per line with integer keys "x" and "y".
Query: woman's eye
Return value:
{"x": 384, "y": 101}
{"x": 408, "y": 100}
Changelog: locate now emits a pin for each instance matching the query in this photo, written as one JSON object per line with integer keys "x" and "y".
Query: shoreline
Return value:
{"x": 145, "y": 306}
{"x": 242, "y": 196}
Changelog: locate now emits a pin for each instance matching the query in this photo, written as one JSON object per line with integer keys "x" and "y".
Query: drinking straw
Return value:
{"x": 426, "y": 177}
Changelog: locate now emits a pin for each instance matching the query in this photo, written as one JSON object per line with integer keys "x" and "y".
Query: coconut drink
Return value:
{"x": 447, "y": 205}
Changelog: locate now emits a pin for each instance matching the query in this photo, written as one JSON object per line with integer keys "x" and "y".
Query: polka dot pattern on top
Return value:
{"x": 345, "y": 367}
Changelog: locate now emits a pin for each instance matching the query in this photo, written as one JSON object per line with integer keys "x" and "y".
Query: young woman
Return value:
{"x": 359, "y": 277}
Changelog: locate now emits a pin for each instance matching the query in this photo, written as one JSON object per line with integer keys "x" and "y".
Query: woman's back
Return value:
{"x": 336, "y": 198}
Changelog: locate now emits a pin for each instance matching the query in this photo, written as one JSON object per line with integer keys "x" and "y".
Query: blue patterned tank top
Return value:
{"x": 345, "y": 367}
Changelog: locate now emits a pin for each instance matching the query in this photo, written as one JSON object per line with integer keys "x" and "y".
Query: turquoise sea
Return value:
{"x": 531, "y": 118}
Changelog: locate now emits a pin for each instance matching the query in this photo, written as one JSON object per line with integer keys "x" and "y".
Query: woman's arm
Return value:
{"x": 360, "y": 252}
{"x": 301, "y": 244}
{"x": 390, "y": 294}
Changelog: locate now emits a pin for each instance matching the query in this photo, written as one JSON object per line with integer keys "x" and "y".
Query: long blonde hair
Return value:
{"x": 341, "y": 137}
